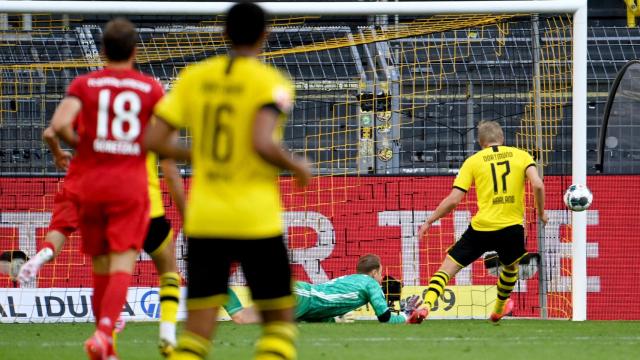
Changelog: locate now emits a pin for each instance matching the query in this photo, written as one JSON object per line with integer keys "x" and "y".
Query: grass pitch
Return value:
{"x": 436, "y": 339}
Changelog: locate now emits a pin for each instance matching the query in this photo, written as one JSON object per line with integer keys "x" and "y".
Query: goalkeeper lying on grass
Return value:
{"x": 330, "y": 301}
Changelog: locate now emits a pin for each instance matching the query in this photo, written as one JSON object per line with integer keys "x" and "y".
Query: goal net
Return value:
{"x": 386, "y": 110}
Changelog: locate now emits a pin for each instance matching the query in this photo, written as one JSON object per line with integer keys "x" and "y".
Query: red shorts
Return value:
{"x": 65, "y": 214}
{"x": 113, "y": 226}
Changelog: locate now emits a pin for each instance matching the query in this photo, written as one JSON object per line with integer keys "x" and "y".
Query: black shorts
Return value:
{"x": 507, "y": 242}
{"x": 265, "y": 264}
{"x": 157, "y": 235}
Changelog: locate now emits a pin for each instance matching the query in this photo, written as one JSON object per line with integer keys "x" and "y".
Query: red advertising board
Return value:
{"x": 337, "y": 219}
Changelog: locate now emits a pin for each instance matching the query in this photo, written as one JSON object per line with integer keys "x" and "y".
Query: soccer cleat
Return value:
{"x": 418, "y": 316}
{"x": 28, "y": 272}
{"x": 168, "y": 340}
{"x": 117, "y": 329}
{"x": 166, "y": 348}
{"x": 119, "y": 325}
{"x": 98, "y": 347}
{"x": 508, "y": 308}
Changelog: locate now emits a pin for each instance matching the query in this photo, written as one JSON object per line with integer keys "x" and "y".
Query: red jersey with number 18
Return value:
{"x": 110, "y": 161}
{"x": 116, "y": 106}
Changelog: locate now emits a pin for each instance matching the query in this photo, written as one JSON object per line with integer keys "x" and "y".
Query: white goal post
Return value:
{"x": 576, "y": 7}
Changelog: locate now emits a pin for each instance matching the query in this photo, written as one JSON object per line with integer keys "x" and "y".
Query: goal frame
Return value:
{"x": 578, "y": 8}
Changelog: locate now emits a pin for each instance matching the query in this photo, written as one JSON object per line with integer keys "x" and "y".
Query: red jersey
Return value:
{"x": 116, "y": 107}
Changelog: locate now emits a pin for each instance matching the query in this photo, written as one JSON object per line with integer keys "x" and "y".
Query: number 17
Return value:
{"x": 506, "y": 172}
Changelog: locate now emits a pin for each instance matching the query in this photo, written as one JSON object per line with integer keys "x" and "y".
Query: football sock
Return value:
{"x": 277, "y": 341}
{"x": 436, "y": 287}
{"x": 45, "y": 254}
{"x": 506, "y": 282}
{"x": 111, "y": 305}
{"x": 100, "y": 282}
{"x": 169, "y": 296}
{"x": 191, "y": 346}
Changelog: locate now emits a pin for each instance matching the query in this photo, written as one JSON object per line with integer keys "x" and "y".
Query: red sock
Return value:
{"x": 111, "y": 305}
{"x": 49, "y": 245}
{"x": 100, "y": 282}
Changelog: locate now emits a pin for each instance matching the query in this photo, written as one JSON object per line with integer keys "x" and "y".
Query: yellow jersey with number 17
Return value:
{"x": 499, "y": 176}
{"x": 234, "y": 192}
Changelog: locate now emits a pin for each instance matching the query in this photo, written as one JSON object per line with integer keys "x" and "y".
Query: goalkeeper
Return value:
{"x": 327, "y": 301}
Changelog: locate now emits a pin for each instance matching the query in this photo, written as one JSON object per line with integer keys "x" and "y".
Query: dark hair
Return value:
{"x": 368, "y": 263}
{"x": 246, "y": 22}
{"x": 119, "y": 39}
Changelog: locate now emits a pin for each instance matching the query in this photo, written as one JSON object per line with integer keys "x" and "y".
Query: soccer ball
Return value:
{"x": 578, "y": 197}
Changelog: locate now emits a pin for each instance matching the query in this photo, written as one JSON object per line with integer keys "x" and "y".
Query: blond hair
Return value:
{"x": 490, "y": 132}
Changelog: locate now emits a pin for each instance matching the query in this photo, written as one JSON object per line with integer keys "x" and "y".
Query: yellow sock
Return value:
{"x": 277, "y": 341}
{"x": 506, "y": 282}
{"x": 436, "y": 287}
{"x": 191, "y": 346}
{"x": 169, "y": 296}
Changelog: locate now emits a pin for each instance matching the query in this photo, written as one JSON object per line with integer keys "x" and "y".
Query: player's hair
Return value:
{"x": 119, "y": 39}
{"x": 490, "y": 131}
{"x": 246, "y": 22}
{"x": 368, "y": 263}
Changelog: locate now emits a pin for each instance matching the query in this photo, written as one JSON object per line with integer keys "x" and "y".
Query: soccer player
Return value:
{"x": 333, "y": 299}
{"x": 158, "y": 243}
{"x": 234, "y": 106}
{"x": 112, "y": 107}
{"x": 499, "y": 174}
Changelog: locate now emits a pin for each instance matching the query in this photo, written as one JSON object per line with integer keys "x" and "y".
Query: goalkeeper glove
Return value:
{"x": 346, "y": 318}
{"x": 411, "y": 308}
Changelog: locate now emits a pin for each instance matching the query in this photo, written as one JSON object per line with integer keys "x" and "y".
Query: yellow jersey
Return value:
{"x": 156, "y": 205}
{"x": 499, "y": 176}
{"x": 234, "y": 192}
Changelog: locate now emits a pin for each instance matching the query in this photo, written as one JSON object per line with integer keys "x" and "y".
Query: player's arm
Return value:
{"x": 162, "y": 138}
{"x": 62, "y": 120}
{"x": 271, "y": 150}
{"x": 60, "y": 157}
{"x": 538, "y": 192}
{"x": 381, "y": 308}
{"x": 445, "y": 207}
{"x": 174, "y": 183}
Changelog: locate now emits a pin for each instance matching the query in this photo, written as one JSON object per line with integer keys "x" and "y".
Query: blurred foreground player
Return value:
{"x": 112, "y": 107}
{"x": 234, "y": 106}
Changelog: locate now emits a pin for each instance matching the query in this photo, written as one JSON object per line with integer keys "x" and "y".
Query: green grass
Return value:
{"x": 472, "y": 339}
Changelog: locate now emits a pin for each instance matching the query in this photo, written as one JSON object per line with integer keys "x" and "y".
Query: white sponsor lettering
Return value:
{"x": 409, "y": 222}
{"x": 26, "y": 223}
{"x": 116, "y": 147}
{"x": 52, "y": 305}
{"x": 120, "y": 83}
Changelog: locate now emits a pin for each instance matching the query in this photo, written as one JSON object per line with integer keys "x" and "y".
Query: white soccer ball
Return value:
{"x": 578, "y": 197}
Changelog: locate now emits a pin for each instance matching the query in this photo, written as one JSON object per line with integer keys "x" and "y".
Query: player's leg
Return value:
{"x": 159, "y": 245}
{"x": 462, "y": 253}
{"x": 92, "y": 227}
{"x": 117, "y": 229}
{"x": 54, "y": 240}
{"x": 208, "y": 264}
{"x": 64, "y": 221}
{"x": 510, "y": 248}
{"x": 265, "y": 264}
{"x": 118, "y": 267}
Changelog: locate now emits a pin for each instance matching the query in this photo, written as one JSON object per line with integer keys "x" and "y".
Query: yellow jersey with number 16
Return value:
{"x": 499, "y": 176}
{"x": 234, "y": 192}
